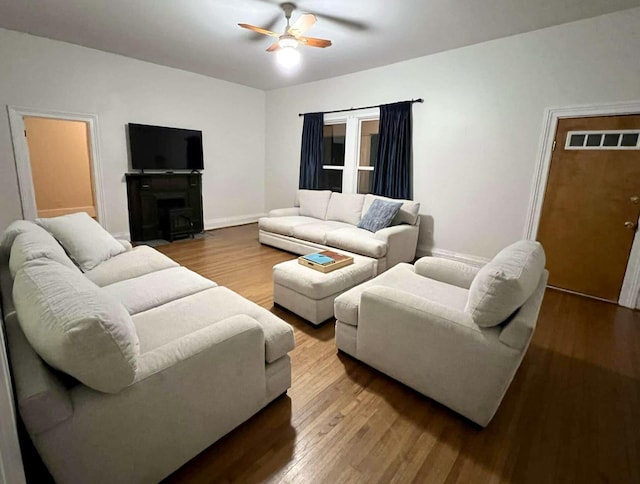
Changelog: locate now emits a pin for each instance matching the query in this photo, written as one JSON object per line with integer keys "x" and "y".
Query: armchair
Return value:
{"x": 453, "y": 332}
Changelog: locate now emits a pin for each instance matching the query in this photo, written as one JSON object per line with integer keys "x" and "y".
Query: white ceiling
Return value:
{"x": 202, "y": 36}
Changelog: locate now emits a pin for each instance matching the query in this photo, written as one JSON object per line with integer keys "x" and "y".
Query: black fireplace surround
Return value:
{"x": 164, "y": 205}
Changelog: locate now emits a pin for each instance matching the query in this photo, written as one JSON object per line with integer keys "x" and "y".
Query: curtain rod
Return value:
{"x": 419, "y": 100}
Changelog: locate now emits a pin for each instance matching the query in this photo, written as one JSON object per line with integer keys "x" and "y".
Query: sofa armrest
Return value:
{"x": 284, "y": 212}
{"x": 211, "y": 338}
{"x": 125, "y": 243}
{"x": 401, "y": 240}
{"x": 446, "y": 270}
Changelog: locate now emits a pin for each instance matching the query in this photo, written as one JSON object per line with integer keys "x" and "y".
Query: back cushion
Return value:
{"x": 13, "y": 230}
{"x": 314, "y": 203}
{"x": 37, "y": 245}
{"x": 75, "y": 327}
{"x": 408, "y": 213}
{"x": 84, "y": 239}
{"x": 345, "y": 207}
{"x": 505, "y": 283}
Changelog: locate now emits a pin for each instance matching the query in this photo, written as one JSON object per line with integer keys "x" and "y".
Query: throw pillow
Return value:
{"x": 84, "y": 239}
{"x": 380, "y": 215}
{"x": 76, "y": 327}
{"x": 505, "y": 283}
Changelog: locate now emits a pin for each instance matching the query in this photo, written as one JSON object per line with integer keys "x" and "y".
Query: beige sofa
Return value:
{"x": 322, "y": 220}
{"x": 126, "y": 371}
{"x": 450, "y": 331}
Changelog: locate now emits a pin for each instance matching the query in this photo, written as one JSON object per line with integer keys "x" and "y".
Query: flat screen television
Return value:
{"x": 162, "y": 148}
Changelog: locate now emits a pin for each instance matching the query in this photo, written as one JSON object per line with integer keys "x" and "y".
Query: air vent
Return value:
{"x": 627, "y": 139}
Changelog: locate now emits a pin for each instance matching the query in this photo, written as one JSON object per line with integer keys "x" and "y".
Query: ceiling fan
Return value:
{"x": 287, "y": 43}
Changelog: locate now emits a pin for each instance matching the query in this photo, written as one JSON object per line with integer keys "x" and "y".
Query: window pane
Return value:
{"x": 594, "y": 139}
{"x": 334, "y": 135}
{"x": 331, "y": 180}
{"x": 369, "y": 142}
{"x": 629, "y": 139}
{"x": 365, "y": 180}
{"x": 577, "y": 140}
{"x": 611, "y": 139}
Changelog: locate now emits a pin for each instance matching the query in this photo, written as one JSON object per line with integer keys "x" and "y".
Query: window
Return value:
{"x": 350, "y": 151}
{"x": 627, "y": 139}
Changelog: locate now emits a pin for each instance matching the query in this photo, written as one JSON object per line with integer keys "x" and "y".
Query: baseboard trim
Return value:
{"x": 218, "y": 223}
{"x": 472, "y": 260}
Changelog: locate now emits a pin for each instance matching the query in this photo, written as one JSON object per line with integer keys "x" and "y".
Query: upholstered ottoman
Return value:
{"x": 310, "y": 293}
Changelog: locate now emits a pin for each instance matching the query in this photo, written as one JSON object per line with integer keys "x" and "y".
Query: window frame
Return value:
{"x": 351, "y": 168}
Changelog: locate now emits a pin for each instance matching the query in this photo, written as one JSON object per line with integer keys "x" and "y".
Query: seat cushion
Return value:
{"x": 505, "y": 283}
{"x": 283, "y": 225}
{"x": 314, "y": 203}
{"x": 408, "y": 213}
{"x": 37, "y": 244}
{"x": 84, "y": 239}
{"x": 403, "y": 277}
{"x": 317, "y": 285}
{"x": 317, "y": 232}
{"x": 345, "y": 207}
{"x": 132, "y": 263}
{"x": 156, "y": 288}
{"x": 165, "y": 323}
{"x": 359, "y": 241}
{"x": 75, "y": 327}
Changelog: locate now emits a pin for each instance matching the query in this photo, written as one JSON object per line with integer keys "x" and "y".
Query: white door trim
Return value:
{"x": 629, "y": 295}
{"x": 23, "y": 163}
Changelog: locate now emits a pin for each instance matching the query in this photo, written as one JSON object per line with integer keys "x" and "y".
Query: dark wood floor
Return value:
{"x": 572, "y": 414}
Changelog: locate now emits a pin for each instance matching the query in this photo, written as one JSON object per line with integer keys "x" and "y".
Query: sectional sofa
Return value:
{"x": 125, "y": 364}
{"x": 322, "y": 220}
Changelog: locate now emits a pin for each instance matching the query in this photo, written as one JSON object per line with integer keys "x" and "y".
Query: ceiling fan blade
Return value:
{"x": 273, "y": 47}
{"x": 256, "y": 36}
{"x": 345, "y": 22}
{"x": 304, "y": 23}
{"x": 313, "y": 42}
{"x": 259, "y": 30}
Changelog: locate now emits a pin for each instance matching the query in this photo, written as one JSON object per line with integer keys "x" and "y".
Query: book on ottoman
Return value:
{"x": 325, "y": 261}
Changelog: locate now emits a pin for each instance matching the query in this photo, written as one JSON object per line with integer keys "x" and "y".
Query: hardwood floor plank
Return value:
{"x": 572, "y": 413}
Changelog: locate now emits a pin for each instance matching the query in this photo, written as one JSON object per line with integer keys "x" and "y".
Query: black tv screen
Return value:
{"x": 160, "y": 148}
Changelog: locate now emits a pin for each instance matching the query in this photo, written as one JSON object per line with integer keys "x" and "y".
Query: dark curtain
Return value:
{"x": 392, "y": 174}
{"x": 311, "y": 155}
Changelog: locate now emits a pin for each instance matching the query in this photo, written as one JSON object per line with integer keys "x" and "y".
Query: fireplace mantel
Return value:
{"x": 149, "y": 195}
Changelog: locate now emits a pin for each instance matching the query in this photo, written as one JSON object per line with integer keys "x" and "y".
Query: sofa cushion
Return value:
{"x": 403, "y": 277}
{"x": 345, "y": 207}
{"x": 314, "y": 203}
{"x": 157, "y": 326}
{"x": 84, "y": 239}
{"x": 132, "y": 263}
{"x": 380, "y": 215}
{"x": 14, "y": 229}
{"x": 38, "y": 244}
{"x": 283, "y": 225}
{"x": 505, "y": 283}
{"x": 75, "y": 327}
{"x": 408, "y": 213}
{"x": 156, "y": 288}
{"x": 317, "y": 232}
{"x": 357, "y": 240}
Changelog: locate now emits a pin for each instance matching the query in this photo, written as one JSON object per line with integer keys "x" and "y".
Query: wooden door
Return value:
{"x": 591, "y": 204}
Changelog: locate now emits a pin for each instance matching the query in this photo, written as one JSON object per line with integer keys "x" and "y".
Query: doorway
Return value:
{"x": 57, "y": 162}
{"x": 589, "y": 215}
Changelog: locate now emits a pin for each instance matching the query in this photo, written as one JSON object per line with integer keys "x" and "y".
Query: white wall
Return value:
{"x": 47, "y": 74}
{"x": 477, "y": 135}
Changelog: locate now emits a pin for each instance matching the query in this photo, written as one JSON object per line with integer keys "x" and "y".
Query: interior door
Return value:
{"x": 592, "y": 203}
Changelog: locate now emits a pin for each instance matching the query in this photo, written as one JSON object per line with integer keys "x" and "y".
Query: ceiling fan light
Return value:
{"x": 287, "y": 42}
{"x": 288, "y": 57}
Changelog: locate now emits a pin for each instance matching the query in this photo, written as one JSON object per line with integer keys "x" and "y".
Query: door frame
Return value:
{"x": 630, "y": 292}
{"x": 23, "y": 162}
